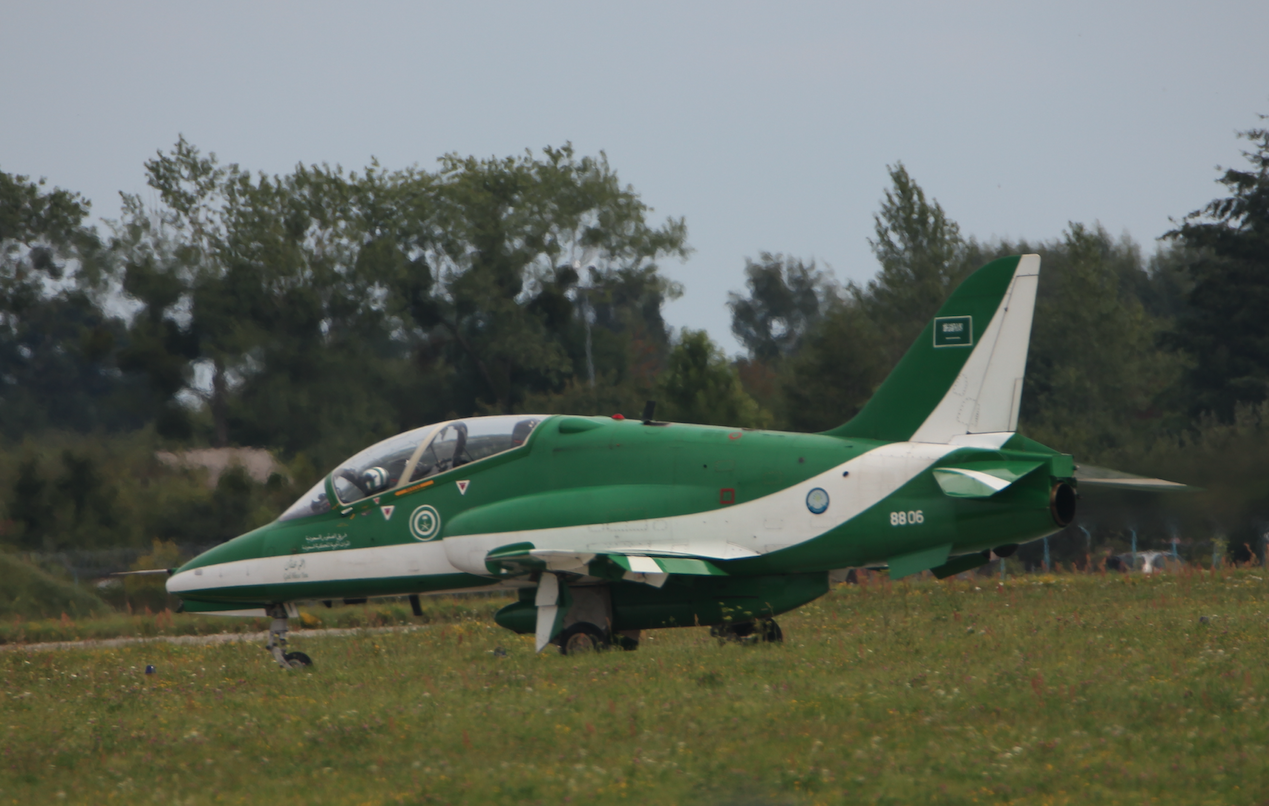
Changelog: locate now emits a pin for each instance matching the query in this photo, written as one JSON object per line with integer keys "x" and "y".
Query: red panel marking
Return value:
{"x": 727, "y": 496}
{"x": 734, "y": 435}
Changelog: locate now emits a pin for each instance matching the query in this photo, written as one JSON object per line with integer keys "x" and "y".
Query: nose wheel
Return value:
{"x": 297, "y": 660}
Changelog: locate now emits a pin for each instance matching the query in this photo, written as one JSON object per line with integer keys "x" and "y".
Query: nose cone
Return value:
{"x": 215, "y": 568}
{"x": 183, "y": 582}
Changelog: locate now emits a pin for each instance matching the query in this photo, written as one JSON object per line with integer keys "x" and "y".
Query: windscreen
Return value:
{"x": 462, "y": 442}
{"x": 378, "y": 467}
{"x": 313, "y": 502}
{"x": 445, "y": 446}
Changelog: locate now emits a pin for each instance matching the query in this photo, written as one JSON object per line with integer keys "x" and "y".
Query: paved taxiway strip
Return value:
{"x": 202, "y": 640}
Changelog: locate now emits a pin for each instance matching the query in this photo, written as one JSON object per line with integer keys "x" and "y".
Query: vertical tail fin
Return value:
{"x": 964, "y": 373}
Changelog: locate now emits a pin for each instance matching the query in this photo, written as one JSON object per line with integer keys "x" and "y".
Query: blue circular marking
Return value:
{"x": 817, "y": 501}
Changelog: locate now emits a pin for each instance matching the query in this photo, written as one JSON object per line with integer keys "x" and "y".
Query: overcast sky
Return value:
{"x": 769, "y": 127}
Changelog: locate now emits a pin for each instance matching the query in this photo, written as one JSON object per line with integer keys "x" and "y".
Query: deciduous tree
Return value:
{"x": 1224, "y": 329}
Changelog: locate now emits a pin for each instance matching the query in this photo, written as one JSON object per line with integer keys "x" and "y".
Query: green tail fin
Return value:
{"x": 964, "y": 373}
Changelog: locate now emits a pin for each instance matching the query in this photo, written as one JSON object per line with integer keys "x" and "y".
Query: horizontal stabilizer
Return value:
{"x": 982, "y": 480}
{"x": 1090, "y": 476}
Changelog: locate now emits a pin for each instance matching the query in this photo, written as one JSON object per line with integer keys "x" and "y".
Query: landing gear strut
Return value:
{"x": 277, "y": 641}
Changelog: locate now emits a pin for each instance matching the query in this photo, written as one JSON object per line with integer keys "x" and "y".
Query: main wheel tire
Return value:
{"x": 748, "y": 632}
{"x": 298, "y": 660}
{"x": 625, "y": 642}
{"x": 738, "y": 631}
{"x": 581, "y": 638}
{"x": 769, "y": 632}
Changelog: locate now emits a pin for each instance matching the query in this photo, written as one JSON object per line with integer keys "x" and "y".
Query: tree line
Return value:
{"x": 315, "y": 312}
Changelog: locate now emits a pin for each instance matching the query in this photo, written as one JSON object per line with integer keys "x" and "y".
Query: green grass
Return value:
{"x": 436, "y": 610}
{"x": 1050, "y": 690}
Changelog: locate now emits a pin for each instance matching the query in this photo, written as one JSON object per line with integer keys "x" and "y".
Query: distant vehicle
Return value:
{"x": 1147, "y": 562}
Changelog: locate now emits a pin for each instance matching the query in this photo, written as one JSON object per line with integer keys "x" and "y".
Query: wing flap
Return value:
{"x": 522, "y": 558}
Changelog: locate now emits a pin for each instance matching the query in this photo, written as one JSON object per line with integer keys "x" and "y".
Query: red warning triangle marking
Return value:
{"x": 387, "y": 512}
{"x": 462, "y": 486}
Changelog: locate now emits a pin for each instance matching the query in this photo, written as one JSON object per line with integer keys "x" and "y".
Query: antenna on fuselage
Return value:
{"x": 649, "y": 409}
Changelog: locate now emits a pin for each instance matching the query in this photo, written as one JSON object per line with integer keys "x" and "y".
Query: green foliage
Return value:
{"x": 700, "y": 386}
{"x": 1063, "y": 690}
{"x": 787, "y": 298}
{"x": 864, "y": 334}
{"x": 332, "y": 308}
{"x": 57, "y": 344}
{"x": 842, "y": 364}
{"x": 1224, "y": 329}
{"x": 1227, "y": 461}
{"x": 29, "y": 592}
{"x": 498, "y": 243}
{"x": 64, "y": 492}
{"x": 923, "y": 258}
{"x": 1096, "y": 375}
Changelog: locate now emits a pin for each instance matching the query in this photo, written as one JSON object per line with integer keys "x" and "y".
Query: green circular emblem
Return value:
{"x": 425, "y": 522}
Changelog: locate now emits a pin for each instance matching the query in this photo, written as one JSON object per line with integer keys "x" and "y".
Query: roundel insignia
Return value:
{"x": 425, "y": 522}
{"x": 817, "y": 501}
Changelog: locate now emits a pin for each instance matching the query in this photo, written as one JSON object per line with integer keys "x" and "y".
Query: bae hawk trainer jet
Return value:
{"x": 606, "y": 526}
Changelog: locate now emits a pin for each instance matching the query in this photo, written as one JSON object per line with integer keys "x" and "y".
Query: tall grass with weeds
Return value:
{"x": 1044, "y": 690}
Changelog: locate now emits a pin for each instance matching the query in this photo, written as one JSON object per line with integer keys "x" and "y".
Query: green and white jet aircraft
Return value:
{"x": 607, "y": 526}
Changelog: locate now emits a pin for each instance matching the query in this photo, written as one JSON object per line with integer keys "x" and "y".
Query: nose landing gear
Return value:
{"x": 276, "y": 643}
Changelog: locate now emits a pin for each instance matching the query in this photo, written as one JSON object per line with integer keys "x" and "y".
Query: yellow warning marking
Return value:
{"x": 427, "y": 483}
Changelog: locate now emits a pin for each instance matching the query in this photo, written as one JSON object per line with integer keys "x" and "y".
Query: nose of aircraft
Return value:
{"x": 183, "y": 582}
{"x": 225, "y": 566}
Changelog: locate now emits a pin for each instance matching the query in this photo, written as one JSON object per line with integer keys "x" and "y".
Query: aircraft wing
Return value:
{"x": 552, "y": 600}
{"x": 647, "y": 565}
{"x": 1092, "y": 476}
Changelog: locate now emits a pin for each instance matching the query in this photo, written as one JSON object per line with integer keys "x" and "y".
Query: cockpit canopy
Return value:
{"x": 415, "y": 455}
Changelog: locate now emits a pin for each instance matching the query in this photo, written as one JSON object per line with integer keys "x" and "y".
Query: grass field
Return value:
{"x": 1047, "y": 690}
{"x": 381, "y": 613}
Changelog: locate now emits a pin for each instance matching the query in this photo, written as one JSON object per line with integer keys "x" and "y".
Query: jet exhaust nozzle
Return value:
{"x": 1062, "y": 503}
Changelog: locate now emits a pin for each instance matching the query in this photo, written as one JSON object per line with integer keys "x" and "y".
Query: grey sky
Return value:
{"x": 768, "y": 128}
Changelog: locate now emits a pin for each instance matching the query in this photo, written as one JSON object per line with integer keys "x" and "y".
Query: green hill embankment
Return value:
{"x": 28, "y": 592}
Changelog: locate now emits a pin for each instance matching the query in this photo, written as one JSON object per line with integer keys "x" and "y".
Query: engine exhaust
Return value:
{"x": 1062, "y": 503}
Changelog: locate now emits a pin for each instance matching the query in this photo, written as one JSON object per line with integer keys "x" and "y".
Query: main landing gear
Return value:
{"x": 277, "y": 641}
{"x": 749, "y": 632}
{"x": 582, "y": 637}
